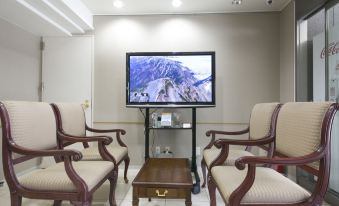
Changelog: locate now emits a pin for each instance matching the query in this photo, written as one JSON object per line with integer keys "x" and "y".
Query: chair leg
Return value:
{"x": 16, "y": 200}
{"x": 57, "y": 202}
{"x": 113, "y": 183}
{"x": 203, "y": 168}
{"x": 211, "y": 191}
{"x": 126, "y": 168}
{"x": 82, "y": 203}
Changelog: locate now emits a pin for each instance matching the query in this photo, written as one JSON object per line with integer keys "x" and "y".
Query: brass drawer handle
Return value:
{"x": 161, "y": 195}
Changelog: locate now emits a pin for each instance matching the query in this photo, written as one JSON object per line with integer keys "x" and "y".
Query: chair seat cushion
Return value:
{"x": 269, "y": 187}
{"x": 92, "y": 153}
{"x": 211, "y": 154}
{"x": 54, "y": 178}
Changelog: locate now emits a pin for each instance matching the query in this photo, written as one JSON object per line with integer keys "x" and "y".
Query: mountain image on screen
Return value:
{"x": 167, "y": 79}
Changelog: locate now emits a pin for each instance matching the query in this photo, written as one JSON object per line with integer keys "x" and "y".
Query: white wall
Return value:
{"x": 19, "y": 69}
{"x": 247, "y": 68}
{"x": 287, "y": 54}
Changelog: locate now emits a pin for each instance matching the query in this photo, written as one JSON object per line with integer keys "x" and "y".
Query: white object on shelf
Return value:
{"x": 166, "y": 119}
{"x": 186, "y": 125}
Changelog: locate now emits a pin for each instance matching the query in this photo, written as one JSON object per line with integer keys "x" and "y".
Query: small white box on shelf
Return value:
{"x": 186, "y": 125}
{"x": 166, "y": 119}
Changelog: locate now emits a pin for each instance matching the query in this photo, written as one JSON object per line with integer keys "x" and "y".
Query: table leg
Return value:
{"x": 135, "y": 201}
{"x": 188, "y": 201}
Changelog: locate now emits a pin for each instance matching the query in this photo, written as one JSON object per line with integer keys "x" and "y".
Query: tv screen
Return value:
{"x": 170, "y": 79}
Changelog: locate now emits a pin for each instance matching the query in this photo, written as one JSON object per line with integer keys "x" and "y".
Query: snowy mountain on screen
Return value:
{"x": 159, "y": 79}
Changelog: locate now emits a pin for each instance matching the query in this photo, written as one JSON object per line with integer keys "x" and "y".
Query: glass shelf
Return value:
{"x": 169, "y": 128}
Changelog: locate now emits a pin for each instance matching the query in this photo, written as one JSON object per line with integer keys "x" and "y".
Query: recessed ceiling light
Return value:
{"x": 118, "y": 4}
{"x": 176, "y": 3}
{"x": 237, "y": 2}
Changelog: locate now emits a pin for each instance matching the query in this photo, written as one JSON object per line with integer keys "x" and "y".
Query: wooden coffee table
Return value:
{"x": 166, "y": 178}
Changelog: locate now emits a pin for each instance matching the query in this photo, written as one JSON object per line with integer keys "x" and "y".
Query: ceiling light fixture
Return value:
{"x": 118, "y": 4}
{"x": 236, "y": 2}
{"x": 176, "y": 3}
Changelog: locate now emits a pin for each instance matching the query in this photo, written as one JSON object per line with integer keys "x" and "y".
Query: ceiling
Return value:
{"x": 135, "y": 7}
{"x": 48, "y": 17}
{"x": 69, "y": 17}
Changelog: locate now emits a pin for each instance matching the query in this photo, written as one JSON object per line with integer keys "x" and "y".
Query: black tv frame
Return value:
{"x": 170, "y": 104}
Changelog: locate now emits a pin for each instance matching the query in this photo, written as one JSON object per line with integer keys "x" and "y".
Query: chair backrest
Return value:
{"x": 303, "y": 128}
{"x": 31, "y": 125}
{"x": 71, "y": 118}
{"x": 261, "y": 120}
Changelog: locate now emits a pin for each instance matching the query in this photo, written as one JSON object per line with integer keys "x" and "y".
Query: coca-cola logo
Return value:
{"x": 333, "y": 49}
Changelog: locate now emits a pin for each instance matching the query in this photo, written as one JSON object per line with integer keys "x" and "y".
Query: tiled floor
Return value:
{"x": 123, "y": 196}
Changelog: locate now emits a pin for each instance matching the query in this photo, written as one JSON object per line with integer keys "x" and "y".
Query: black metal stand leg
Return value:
{"x": 146, "y": 134}
{"x": 196, "y": 186}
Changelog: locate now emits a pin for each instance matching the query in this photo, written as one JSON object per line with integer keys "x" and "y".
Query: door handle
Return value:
{"x": 85, "y": 105}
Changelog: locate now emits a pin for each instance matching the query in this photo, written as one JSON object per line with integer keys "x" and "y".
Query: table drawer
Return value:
{"x": 165, "y": 193}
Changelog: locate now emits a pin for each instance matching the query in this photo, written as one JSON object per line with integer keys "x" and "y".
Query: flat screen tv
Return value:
{"x": 170, "y": 79}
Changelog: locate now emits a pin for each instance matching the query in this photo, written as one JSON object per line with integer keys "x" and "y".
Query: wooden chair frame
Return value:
{"x": 268, "y": 139}
{"x": 323, "y": 155}
{"x": 83, "y": 196}
{"x": 63, "y": 144}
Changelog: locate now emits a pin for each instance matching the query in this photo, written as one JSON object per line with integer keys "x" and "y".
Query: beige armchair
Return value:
{"x": 260, "y": 131}
{"x": 303, "y": 136}
{"x": 71, "y": 121}
{"x": 29, "y": 131}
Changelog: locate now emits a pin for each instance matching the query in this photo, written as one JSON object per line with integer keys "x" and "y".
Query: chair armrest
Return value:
{"x": 74, "y": 154}
{"x": 105, "y": 130}
{"x": 303, "y": 160}
{"x": 117, "y": 131}
{"x": 225, "y": 143}
{"x": 211, "y": 132}
{"x": 106, "y": 140}
{"x": 215, "y": 132}
{"x": 67, "y": 156}
{"x": 237, "y": 195}
{"x": 265, "y": 140}
{"x": 102, "y": 140}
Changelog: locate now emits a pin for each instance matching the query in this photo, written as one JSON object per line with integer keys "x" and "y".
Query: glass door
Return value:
{"x": 317, "y": 78}
{"x": 332, "y": 65}
{"x": 310, "y": 73}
